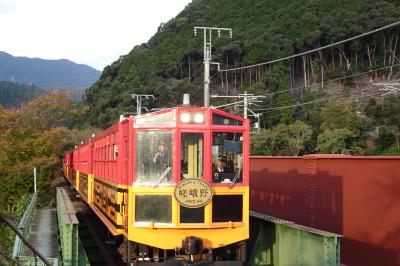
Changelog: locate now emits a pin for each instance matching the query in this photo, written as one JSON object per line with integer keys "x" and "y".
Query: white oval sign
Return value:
{"x": 193, "y": 193}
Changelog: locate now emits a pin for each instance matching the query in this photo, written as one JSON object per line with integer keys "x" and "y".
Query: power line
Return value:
{"x": 268, "y": 110}
{"x": 319, "y": 100}
{"x": 316, "y": 49}
{"x": 248, "y": 10}
{"x": 275, "y": 13}
{"x": 332, "y": 80}
{"x": 303, "y": 110}
{"x": 248, "y": 99}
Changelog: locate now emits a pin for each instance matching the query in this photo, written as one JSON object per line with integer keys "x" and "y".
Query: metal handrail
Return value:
{"x": 24, "y": 225}
{"x": 26, "y": 242}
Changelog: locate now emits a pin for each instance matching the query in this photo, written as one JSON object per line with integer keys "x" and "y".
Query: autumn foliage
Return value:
{"x": 35, "y": 134}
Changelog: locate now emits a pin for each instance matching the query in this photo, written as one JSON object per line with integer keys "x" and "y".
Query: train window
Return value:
{"x": 227, "y": 208}
{"x": 153, "y": 208}
{"x": 154, "y": 156}
{"x": 191, "y": 215}
{"x": 227, "y": 157}
{"x": 192, "y": 152}
{"x": 225, "y": 121}
{"x": 115, "y": 149}
{"x": 156, "y": 119}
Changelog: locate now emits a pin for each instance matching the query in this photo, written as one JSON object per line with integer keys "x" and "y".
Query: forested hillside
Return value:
{"x": 170, "y": 64}
{"x": 13, "y": 94}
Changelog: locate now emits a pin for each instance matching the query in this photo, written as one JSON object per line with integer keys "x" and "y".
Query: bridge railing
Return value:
{"x": 24, "y": 226}
{"x": 71, "y": 248}
{"x": 278, "y": 242}
{"x": 38, "y": 258}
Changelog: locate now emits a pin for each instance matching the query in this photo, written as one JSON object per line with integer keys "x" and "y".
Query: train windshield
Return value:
{"x": 154, "y": 156}
{"x": 192, "y": 152}
{"x": 227, "y": 157}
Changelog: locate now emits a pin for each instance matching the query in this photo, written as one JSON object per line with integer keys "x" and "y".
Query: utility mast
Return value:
{"x": 207, "y": 57}
{"x": 139, "y": 100}
{"x": 246, "y": 99}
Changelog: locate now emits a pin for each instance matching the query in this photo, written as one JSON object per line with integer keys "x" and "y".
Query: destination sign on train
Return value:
{"x": 193, "y": 193}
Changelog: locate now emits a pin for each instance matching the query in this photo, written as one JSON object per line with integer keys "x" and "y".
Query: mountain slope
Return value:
{"x": 170, "y": 63}
{"x": 46, "y": 73}
{"x": 13, "y": 94}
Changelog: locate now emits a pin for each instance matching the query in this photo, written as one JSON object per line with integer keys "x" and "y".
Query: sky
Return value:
{"x": 92, "y": 32}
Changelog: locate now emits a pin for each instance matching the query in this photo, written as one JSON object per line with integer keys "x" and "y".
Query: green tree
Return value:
{"x": 335, "y": 141}
{"x": 282, "y": 139}
{"x": 386, "y": 117}
{"x": 297, "y": 135}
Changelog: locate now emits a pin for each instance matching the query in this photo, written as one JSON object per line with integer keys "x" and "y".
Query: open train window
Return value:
{"x": 227, "y": 157}
{"x": 153, "y": 208}
{"x": 192, "y": 152}
{"x": 154, "y": 156}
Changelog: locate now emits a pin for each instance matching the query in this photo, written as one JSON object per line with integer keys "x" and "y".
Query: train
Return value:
{"x": 171, "y": 185}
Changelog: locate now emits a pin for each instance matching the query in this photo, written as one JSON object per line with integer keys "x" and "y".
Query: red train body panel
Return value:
{"x": 357, "y": 197}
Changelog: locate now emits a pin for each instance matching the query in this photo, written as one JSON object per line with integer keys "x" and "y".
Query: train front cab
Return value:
{"x": 194, "y": 140}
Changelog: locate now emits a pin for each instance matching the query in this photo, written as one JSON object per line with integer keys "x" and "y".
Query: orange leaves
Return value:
{"x": 34, "y": 134}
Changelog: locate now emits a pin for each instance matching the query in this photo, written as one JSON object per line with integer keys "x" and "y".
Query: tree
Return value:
{"x": 282, "y": 139}
{"x": 335, "y": 141}
{"x": 386, "y": 117}
{"x": 33, "y": 135}
{"x": 267, "y": 142}
{"x": 341, "y": 115}
{"x": 297, "y": 135}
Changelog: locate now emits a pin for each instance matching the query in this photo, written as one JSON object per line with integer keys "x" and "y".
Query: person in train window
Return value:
{"x": 220, "y": 166}
{"x": 222, "y": 174}
{"x": 161, "y": 158}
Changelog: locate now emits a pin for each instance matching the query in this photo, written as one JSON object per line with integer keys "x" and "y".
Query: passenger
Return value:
{"x": 161, "y": 158}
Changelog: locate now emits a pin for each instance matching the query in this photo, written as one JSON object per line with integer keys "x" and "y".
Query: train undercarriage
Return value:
{"x": 190, "y": 254}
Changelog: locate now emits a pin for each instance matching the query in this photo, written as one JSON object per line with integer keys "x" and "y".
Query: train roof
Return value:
{"x": 168, "y": 117}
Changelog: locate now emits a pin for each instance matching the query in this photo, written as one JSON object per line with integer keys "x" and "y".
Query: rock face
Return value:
{"x": 46, "y": 73}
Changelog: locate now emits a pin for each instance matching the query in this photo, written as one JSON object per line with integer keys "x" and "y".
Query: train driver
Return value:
{"x": 161, "y": 158}
{"x": 220, "y": 165}
{"x": 222, "y": 174}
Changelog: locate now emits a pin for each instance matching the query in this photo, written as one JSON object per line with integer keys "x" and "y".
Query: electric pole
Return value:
{"x": 207, "y": 57}
{"x": 245, "y": 98}
{"x": 139, "y": 100}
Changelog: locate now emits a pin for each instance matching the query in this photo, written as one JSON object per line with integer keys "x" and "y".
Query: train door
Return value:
{"x": 192, "y": 158}
{"x": 125, "y": 173}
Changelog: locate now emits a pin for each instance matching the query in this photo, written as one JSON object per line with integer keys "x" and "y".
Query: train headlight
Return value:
{"x": 185, "y": 118}
{"x": 199, "y": 118}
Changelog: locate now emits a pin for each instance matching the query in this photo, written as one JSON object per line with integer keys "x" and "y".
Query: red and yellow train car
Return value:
{"x": 173, "y": 180}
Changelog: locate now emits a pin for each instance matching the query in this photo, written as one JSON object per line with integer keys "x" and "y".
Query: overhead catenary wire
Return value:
{"x": 318, "y": 83}
{"x": 332, "y": 80}
{"x": 251, "y": 9}
{"x": 268, "y": 110}
{"x": 276, "y": 12}
{"x": 318, "y": 49}
{"x": 314, "y": 50}
{"x": 299, "y": 111}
